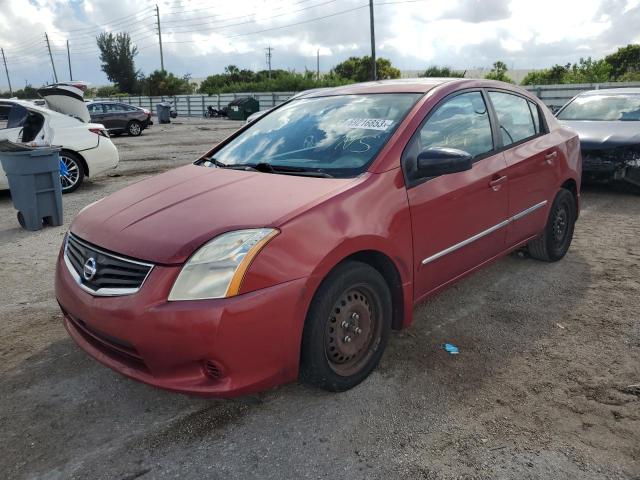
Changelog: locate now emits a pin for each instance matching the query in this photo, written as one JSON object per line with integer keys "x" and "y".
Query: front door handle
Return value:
{"x": 496, "y": 183}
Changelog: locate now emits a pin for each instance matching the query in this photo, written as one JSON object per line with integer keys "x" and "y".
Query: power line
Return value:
{"x": 303, "y": 22}
{"x": 189, "y": 26}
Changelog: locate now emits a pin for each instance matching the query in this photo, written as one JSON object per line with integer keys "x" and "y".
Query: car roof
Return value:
{"x": 27, "y": 104}
{"x": 614, "y": 91}
{"x": 413, "y": 85}
{"x": 402, "y": 85}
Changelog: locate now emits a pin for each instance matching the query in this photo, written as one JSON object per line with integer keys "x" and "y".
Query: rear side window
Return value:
{"x": 95, "y": 108}
{"x": 514, "y": 117}
{"x": 462, "y": 123}
{"x": 113, "y": 107}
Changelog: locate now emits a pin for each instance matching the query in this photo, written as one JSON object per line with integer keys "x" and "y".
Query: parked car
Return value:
{"x": 87, "y": 149}
{"x": 120, "y": 117}
{"x": 293, "y": 247}
{"x": 608, "y": 123}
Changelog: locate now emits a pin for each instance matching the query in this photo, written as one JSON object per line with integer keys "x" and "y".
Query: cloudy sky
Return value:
{"x": 200, "y": 37}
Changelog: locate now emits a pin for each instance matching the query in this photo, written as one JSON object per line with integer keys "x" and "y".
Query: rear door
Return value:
{"x": 96, "y": 111}
{"x": 532, "y": 160}
{"x": 115, "y": 116}
{"x": 458, "y": 219}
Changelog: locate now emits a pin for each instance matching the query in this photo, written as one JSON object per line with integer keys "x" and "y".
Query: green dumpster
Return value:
{"x": 242, "y": 107}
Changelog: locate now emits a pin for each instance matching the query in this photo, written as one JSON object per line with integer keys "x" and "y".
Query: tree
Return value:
{"x": 161, "y": 82}
{"x": 358, "y": 69}
{"x": 106, "y": 91}
{"x": 547, "y": 76}
{"x": 499, "y": 72}
{"x": 589, "y": 71}
{"x": 435, "y": 71}
{"x": 117, "y": 54}
{"x": 624, "y": 60}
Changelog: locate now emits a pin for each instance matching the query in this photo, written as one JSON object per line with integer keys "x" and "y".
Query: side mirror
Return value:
{"x": 441, "y": 161}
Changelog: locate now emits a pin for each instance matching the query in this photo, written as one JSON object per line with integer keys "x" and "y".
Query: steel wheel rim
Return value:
{"x": 560, "y": 225}
{"x": 353, "y": 328}
{"x": 134, "y": 129}
{"x": 69, "y": 172}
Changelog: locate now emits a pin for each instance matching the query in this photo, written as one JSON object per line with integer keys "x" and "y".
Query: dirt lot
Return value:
{"x": 543, "y": 386}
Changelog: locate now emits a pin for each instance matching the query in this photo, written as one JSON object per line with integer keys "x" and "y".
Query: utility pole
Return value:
{"x": 374, "y": 69}
{"x": 69, "y": 59}
{"x": 6, "y": 70}
{"x": 269, "y": 50}
{"x": 318, "y": 65}
{"x": 160, "y": 39}
{"x": 55, "y": 75}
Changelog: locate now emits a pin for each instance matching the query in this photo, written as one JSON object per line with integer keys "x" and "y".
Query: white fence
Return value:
{"x": 196, "y": 105}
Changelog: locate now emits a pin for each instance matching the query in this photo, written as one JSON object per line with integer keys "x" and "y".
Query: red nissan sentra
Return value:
{"x": 292, "y": 248}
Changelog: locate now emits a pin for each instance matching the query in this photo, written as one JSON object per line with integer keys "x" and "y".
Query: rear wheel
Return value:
{"x": 347, "y": 327}
{"x": 71, "y": 171}
{"x": 554, "y": 242}
{"x": 134, "y": 128}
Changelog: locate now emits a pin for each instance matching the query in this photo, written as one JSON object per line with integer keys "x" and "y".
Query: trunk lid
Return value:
{"x": 66, "y": 98}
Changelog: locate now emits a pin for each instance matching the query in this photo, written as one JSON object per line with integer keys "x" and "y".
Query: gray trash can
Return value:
{"x": 163, "y": 111}
{"x": 34, "y": 182}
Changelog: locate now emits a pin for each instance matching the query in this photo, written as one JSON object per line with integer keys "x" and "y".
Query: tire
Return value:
{"x": 347, "y": 328}
{"x": 71, "y": 171}
{"x": 554, "y": 242}
{"x": 134, "y": 128}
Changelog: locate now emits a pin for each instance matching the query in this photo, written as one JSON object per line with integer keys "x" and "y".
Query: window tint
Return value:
{"x": 514, "y": 117}
{"x": 462, "y": 123}
{"x": 535, "y": 113}
{"x": 95, "y": 108}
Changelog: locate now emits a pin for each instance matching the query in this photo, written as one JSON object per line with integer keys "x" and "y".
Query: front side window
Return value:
{"x": 603, "y": 107}
{"x": 514, "y": 117}
{"x": 113, "y": 107}
{"x": 461, "y": 123}
{"x": 336, "y": 135}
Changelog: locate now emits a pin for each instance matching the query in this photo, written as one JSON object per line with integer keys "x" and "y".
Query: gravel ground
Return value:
{"x": 543, "y": 386}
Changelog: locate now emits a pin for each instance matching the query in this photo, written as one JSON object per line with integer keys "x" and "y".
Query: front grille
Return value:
{"x": 103, "y": 273}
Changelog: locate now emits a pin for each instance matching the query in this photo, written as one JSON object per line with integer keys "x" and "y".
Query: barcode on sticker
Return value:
{"x": 369, "y": 123}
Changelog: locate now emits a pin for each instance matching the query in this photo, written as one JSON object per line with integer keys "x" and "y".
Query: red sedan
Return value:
{"x": 292, "y": 248}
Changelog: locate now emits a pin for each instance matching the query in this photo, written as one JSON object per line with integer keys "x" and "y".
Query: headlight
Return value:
{"x": 217, "y": 268}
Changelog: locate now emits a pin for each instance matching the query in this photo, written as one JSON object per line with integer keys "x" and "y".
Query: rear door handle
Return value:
{"x": 496, "y": 183}
{"x": 550, "y": 157}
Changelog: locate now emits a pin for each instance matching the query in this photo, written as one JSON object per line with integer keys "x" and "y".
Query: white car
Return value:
{"x": 87, "y": 149}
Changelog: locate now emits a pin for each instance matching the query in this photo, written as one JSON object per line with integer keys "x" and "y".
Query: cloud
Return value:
{"x": 201, "y": 38}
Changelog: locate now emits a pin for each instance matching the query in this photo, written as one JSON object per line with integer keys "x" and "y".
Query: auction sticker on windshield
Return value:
{"x": 369, "y": 123}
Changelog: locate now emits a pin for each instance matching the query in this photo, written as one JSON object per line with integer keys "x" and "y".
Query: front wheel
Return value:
{"x": 554, "y": 242}
{"x": 347, "y": 327}
{"x": 71, "y": 172}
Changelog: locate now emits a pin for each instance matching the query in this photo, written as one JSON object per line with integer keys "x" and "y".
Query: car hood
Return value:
{"x": 604, "y": 135}
{"x": 164, "y": 219}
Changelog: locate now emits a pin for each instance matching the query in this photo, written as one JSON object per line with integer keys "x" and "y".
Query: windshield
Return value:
{"x": 603, "y": 107}
{"x": 337, "y": 136}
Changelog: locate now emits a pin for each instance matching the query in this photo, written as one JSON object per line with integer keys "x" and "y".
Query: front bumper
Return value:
{"x": 221, "y": 347}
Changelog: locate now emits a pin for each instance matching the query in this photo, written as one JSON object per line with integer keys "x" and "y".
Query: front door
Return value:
{"x": 458, "y": 219}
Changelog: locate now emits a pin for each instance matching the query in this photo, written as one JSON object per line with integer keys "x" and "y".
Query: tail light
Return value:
{"x": 100, "y": 131}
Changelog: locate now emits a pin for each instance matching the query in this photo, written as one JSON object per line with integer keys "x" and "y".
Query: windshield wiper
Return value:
{"x": 288, "y": 170}
{"x": 265, "y": 167}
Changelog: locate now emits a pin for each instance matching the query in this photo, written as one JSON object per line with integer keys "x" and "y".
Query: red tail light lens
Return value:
{"x": 100, "y": 131}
